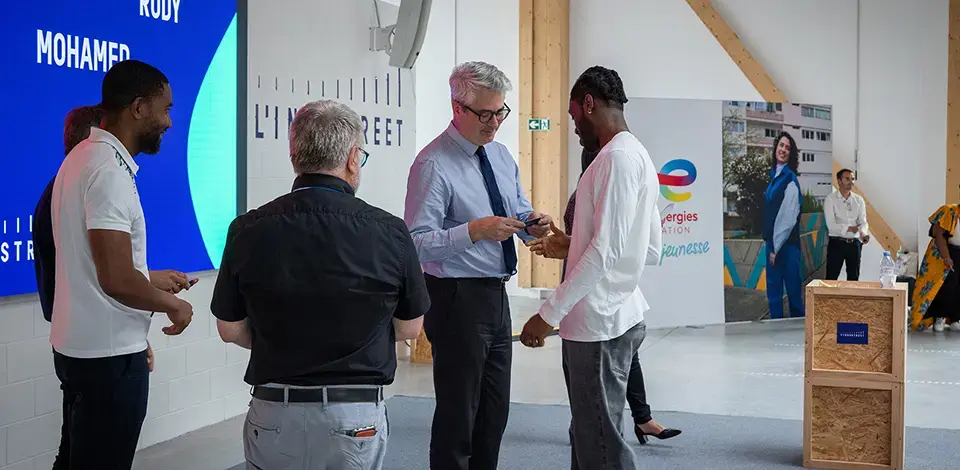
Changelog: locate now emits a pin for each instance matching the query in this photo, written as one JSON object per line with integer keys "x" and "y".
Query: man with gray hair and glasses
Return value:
{"x": 319, "y": 285}
{"x": 464, "y": 205}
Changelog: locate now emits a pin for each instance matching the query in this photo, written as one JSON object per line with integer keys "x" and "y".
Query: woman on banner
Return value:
{"x": 781, "y": 229}
{"x": 937, "y": 292}
{"x": 555, "y": 246}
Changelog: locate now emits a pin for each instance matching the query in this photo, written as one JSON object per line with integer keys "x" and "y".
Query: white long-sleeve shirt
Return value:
{"x": 616, "y": 232}
{"x": 841, "y": 214}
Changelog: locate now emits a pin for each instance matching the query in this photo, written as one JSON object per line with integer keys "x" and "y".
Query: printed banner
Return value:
{"x": 716, "y": 159}
{"x": 684, "y": 141}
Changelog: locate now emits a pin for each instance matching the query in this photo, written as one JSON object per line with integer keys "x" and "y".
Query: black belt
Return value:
{"x": 487, "y": 281}
{"x": 316, "y": 395}
{"x": 845, "y": 240}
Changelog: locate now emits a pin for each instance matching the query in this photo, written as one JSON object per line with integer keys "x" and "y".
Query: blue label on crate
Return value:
{"x": 852, "y": 333}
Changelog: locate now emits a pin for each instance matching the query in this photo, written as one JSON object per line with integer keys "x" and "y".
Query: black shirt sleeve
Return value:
{"x": 227, "y": 303}
{"x": 414, "y": 298}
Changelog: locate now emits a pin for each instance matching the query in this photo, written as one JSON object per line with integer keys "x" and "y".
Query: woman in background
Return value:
{"x": 781, "y": 228}
{"x": 937, "y": 292}
{"x": 76, "y": 129}
{"x": 556, "y": 246}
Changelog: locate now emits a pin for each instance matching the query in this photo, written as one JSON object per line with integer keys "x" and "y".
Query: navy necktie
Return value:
{"x": 496, "y": 202}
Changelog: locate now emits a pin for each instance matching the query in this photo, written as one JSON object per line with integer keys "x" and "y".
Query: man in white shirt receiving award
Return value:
{"x": 599, "y": 306}
{"x": 846, "y": 217}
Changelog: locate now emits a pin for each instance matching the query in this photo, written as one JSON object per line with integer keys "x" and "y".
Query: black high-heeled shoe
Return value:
{"x": 666, "y": 433}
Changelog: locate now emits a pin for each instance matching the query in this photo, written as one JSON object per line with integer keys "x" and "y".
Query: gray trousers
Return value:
{"x": 596, "y": 374}
{"x": 314, "y": 436}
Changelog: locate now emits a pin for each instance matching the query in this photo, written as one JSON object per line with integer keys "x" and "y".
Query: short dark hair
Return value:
{"x": 603, "y": 84}
{"x": 841, "y": 172}
{"x": 76, "y": 126}
{"x": 128, "y": 80}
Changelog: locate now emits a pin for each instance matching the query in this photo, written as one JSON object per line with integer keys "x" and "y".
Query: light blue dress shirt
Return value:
{"x": 445, "y": 191}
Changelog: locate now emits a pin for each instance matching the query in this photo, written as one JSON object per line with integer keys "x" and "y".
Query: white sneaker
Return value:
{"x": 939, "y": 324}
{"x": 955, "y": 326}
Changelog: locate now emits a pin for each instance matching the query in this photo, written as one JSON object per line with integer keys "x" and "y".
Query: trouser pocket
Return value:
{"x": 274, "y": 435}
{"x": 359, "y": 435}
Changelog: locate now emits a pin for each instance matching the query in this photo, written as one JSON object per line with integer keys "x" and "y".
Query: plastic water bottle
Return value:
{"x": 888, "y": 271}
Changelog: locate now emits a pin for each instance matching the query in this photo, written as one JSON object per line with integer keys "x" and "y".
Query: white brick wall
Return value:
{"x": 197, "y": 380}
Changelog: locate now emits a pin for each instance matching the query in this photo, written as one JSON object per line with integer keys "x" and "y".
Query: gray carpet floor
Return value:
{"x": 536, "y": 438}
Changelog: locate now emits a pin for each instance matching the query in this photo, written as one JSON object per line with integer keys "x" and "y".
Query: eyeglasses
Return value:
{"x": 486, "y": 115}
{"x": 366, "y": 155}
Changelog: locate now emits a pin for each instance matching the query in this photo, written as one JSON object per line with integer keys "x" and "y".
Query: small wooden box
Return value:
{"x": 854, "y": 375}
{"x": 877, "y": 316}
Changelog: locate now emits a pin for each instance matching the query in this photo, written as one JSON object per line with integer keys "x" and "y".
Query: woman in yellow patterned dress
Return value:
{"x": 936, "y": 297}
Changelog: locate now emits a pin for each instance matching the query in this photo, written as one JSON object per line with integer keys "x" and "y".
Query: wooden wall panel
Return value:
{"x": 754, "y": 72}
{"x": 525, "y": 97}
{"x": 953, "y": 107}
{"x": 544, "y": 93}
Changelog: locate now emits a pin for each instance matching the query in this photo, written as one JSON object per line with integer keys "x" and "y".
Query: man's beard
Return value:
{"x": 150, "y": 143}
{"x": 587, "y": 135}
{"x": 591, "y": 145}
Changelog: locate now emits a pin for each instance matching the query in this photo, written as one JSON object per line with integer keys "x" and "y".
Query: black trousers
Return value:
{"x": 637, "y": 393}
{"x": 104, "y": 405}
{"x": 947, "y": 300}
{"x": 840, "y": 251}
{"x": 469, "y": 327}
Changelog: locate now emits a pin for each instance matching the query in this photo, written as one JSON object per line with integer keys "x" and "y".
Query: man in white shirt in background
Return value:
{"x": 104, "y": 291}
{"x": 846, "y": 216}
{"x": 599, "y": 306}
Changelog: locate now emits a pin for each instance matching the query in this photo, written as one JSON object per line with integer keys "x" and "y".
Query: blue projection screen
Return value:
{"x": 55, "y": 56}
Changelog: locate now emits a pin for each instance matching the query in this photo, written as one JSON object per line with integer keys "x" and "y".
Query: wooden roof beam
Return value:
{"x": 761, "y": 80}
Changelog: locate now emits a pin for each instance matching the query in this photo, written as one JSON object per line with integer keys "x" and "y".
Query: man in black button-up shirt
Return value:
{"x": 319, "y": 285}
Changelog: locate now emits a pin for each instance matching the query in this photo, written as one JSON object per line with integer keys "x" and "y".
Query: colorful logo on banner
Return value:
{"x": 668, "y": 180}
{"x": 679, "y": 223}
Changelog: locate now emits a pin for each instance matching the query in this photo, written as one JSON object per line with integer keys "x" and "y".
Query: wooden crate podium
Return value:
{"x": 854, "y": 375}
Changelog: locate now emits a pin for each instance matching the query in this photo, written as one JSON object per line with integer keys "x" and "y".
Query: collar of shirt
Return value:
{"x": 469, "y": 147}
{"x": 100, "y": 135}
{"x": 324, "y": 181}
{"x": 838, "y": 197}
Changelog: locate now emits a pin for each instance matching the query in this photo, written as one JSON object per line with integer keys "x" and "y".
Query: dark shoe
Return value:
{"x": 667, "y": 433}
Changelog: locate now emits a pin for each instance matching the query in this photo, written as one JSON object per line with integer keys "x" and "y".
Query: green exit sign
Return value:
{"x": 538, "y": 124}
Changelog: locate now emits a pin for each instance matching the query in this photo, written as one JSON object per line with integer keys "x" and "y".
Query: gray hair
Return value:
{"x": 322, "y": 135}
{"x": 468, "y": 77}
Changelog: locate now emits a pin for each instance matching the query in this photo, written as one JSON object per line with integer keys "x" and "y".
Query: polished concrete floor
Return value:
{"x": 746, "y": 369}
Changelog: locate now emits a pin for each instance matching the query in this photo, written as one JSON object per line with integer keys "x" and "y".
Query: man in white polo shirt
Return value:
{"x": 105, "y": 294}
